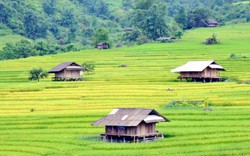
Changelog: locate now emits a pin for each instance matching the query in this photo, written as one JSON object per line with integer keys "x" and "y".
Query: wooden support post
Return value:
{"x": 134, "y": 139}
{"x": 204, "y": 80}
{"x": 144, "y": 139}
{"x": 104, "y": 138}
{"x": 124, "y": 140}
{"x": 111, "y": 140}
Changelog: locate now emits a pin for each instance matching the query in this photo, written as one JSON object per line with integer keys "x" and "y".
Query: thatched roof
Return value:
{"x": 197, "y": 66}
{"x": 68, "y": 65}
{"x": 130, "y": 117}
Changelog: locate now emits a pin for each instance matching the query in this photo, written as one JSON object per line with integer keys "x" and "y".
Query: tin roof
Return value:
{"x": 165, "y": 38}
{"x": 130, "y": 117}
{"x": 211, "y": 21}
{"x": 64, "y": 65}
{"x": 197, "y": 66}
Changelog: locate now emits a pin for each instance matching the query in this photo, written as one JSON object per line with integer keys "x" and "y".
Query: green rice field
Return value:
{"x": 54, "y": 118}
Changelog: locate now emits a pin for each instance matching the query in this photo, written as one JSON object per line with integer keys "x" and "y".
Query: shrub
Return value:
{"x": 178, "y": 34}
{"x": 141, "y": 40}
{"x": 123, "y": 66}
{"x": 212, "y": 40}
{"x": 189, "y": 104}
{"x": 89, "y": 68}
{"x": 235, "y": 56}
{"x": 37, "y": 74}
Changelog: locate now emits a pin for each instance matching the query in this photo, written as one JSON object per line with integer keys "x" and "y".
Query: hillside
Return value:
{"x": 9, "y": 39}
{"x": 54, "y": 118}
{"x": 75, "y": 22}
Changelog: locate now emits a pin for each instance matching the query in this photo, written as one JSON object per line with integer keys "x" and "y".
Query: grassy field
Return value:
{"x": 53, "y": 118}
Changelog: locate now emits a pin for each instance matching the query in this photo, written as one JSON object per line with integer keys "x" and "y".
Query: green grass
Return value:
{"x": 54, "y": 118}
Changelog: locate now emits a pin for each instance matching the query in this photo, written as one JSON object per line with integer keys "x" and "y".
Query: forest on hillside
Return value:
{"x": 53, "y": 26}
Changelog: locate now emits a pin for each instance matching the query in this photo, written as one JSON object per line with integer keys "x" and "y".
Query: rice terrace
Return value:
{"x": 54, "y": 118}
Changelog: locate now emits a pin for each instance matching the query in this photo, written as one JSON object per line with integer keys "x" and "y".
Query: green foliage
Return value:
{"x": 4, "y": 30}
{"x": 25, "y": 48}
{"x": 21, "y": 49}
{"x": 49, "y": 6}
{"x": 44, "y": 47}
{"x": 68, "y": 19}
{"x": 141, "y": 40}
{"x": 189, "y": 104}
{"x": 197, "y": 18}
{"x": 37, "y": 74}
{"x": 212, "y": 40}
{"x": 178, "y": 34}
{"x": 101, "y": 35}
{"x": 35, "y": 25}
{"x": 132, "y": 36}
{"x": 75, "y": 21}
{"x": 150, "y": 17}
{"x": 181, "y": 18}
{"x": 89, "y": 68}
{"x": 235, "y": 56}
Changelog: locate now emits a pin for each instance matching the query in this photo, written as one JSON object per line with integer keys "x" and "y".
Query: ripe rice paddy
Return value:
{"x": 54, "y": 118}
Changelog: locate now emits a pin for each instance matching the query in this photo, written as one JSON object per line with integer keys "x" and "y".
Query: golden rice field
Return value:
{"x": 54, "y": 118}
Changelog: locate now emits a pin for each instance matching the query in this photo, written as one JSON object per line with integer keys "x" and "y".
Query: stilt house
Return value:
{"x": 165, "y": 39}
{"x": 102, "y": 45}
{"x": 212, "y": 23}
{"x": 67, "y": 71}
{"x": 206, "y": 71}
{"x": 131, "y": 125}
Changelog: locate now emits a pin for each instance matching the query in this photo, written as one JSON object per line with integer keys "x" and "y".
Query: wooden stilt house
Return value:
{"x": 205, "y": 71}
{"x": 67, "y": 71}
{"x": 165, "y": 39}
{"x": 212, "y": 23}
{"x": 131, "y": 125}
{"x": 102, "y": 45}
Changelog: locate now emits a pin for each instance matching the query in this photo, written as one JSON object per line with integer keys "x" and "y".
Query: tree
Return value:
{"x": 178, "y": 34}
{"x": 102, "y": 9}
{"x": 132, "y": 36}
{"x": 35, "y": 26}
{"x": 181, "y": 18}
{"x": 49, "y": 6}
{"x": 101, "y": 35}
{"x": 89, "y": 68}
{"x": 141, "y": 40}
{"x": 21, "y": 49}
{"x": 150, "y": 16}
{"x": 197, "y": 18}
{"x": 5, "y": 13}
{"x": 68, "y": 19}
{"x": 212, "y": 40}
{"x": 37, "y": 74}
{"x": 24, "y": 49}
